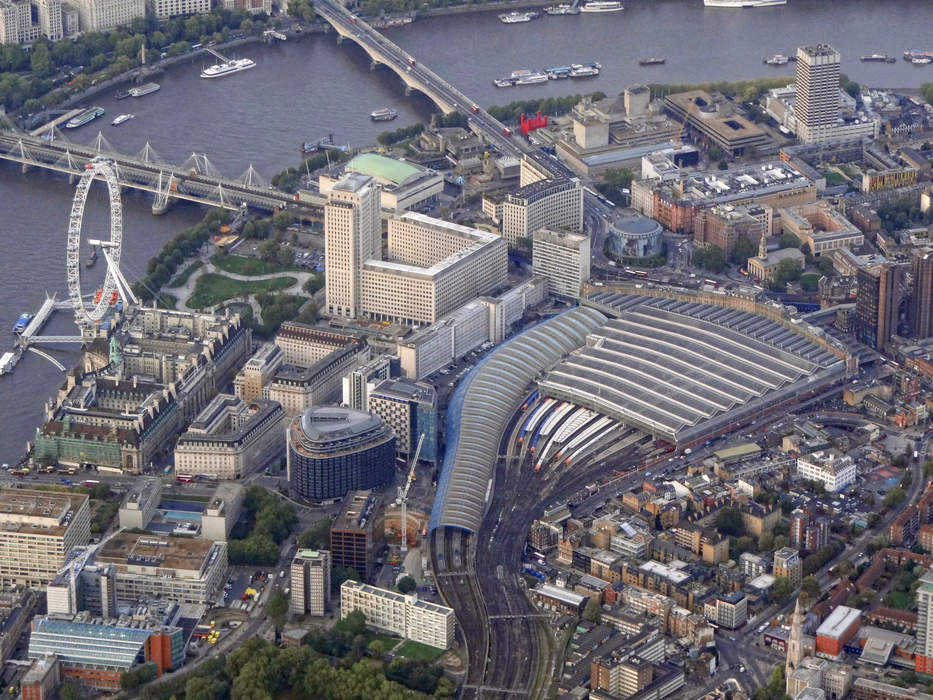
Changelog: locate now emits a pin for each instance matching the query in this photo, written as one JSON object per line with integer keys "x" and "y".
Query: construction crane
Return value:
{"x": 403, "y": 495}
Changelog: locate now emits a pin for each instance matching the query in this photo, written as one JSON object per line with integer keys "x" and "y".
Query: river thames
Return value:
{"x": 306, "y": 89}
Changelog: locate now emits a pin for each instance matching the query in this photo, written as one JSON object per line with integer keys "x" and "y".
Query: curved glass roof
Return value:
{"x": 482, "y": 405}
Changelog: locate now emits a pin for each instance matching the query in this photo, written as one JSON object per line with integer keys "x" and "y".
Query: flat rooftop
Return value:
{"x": 838, "y": 622}
{"x": 156, "y": 551}
{"x": 38, "y": 512}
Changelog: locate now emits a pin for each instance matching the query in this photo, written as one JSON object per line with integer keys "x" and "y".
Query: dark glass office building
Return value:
{"x": 332, "y": 451}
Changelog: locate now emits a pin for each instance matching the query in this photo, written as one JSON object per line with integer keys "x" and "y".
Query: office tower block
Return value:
{"x": 816, "y": 105}
{"x": 310, "y": 582}
{"x": 921, "y": 302}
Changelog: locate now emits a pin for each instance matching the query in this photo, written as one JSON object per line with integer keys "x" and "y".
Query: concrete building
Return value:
{"x": 636, "y": 237}
{"x": 105, "y": 15}
{"x": 816, "y": 106}
{"x": 820, "y": 227}
{"x": 254, "y": 7}
{"x": 877, "y": 299}
{"x": 352, "y": 235}
{"x": 787, "y": 564}
{"x": 24, "y": 21}
{"x": 752, "y": 565}
{"x": 299, "y": 388}
{"x": 410, "y": 408}
{"x": 405, "y": 615}
{"x": 231, "y": 439}
{"x": 166, "y": 9}
{"x": 140, "y": 502}
{"x": 731, "y": 610}
{"x": 363, "y": 379}
{"x": 716, "y": 120}
{"x": 332, "y": 451}
{"x": 831, "y": 468}
{"x": 310, "y": 583}
{"x": 403, "y": 184}
{"x": 258, "y": 372}
{"x": 83, "y": 587}
{"x": 356, "y": 533}
{"x": 431, "y": 268}
{"x": 920, "y": 311}
{"x": 563, "y": 258}
{"x": 549, "y": 203}
{"x": 222, "y": 511}
{"x": 97, "y": 652}
{"x": 487, "y": 319}
{"x": 38, "y": 529}
{"x": 179, "y": 569}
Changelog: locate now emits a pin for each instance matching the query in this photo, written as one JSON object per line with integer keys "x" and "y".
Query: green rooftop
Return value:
{"x": 383, "y": 168}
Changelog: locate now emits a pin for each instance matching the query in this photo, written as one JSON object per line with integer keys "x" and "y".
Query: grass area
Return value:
{"x": 810, "y": 281}
{"x": 212, "y": 289}
{"x": 183, "y": 276}
{"x": 239, "y": 265}
{"x": 834, "y": 178}
{"x": 899, "y": 599}
{"x": 419, "y": 651}
{"x": 388, "y": 641}
{"x": 167, "y": 301}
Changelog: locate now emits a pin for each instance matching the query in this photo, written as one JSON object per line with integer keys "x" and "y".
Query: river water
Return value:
{"x": 311, "y": 88}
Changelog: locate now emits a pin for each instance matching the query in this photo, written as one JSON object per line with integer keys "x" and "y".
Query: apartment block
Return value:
{"x": 563, "y": 258}
{"x": 787, "y": 564}
{"x": 405, "y": 615}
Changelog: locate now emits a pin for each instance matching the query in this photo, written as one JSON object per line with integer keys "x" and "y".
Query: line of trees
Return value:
{"x": 387, "y": 138}
{"x": 289, "y": 179}
{"x": 744, "y": 90}
{"x": 271, "y": 520}
{"x": 548, "y": 105}
{"x": 29, "y": 76}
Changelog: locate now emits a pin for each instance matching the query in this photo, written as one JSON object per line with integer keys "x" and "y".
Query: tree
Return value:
{"x": 317, "y": 536}
{"x": 710, "y": 257}
{"x": 68, "y": 692}
{"x": 729, "y": 521}
{"x": 743, "y": 250}
{"x": 339, "y": 574}
{"x": 850, "y": 86}
{"x": 810, "y": 587}
{"x": 782, "y": 589}
{"x": 406, "y": 585}
{"x": 789, "y": 240}
{"x": 282, "y": 219}
{"x": 40, "y": 61}
{"x": 766, "y": 542}
{"x": 845, "y": 569}
{"x": 375, "y": 649}
{"x": 277, "y": 608}
{"x": 893, "y": 497}
{"x": 786, "y": 271}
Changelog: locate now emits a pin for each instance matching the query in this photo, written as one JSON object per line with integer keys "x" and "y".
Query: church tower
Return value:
{"x": 763, "y": 246}
{"x": 794, "y": 644}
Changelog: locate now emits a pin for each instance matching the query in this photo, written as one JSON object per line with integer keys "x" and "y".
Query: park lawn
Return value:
{"x": 900, "y": 600}
{"x": 183, "y": 276}
{"x": 388, "y": 641}
{"x": 239, "y": 265}
{"x": 419, "y": 651}
{"x": 212, "y": 289}
{"x": 167, "y": 301}
{"x": 810, "y": 281}
{"x": 833, "y": 178}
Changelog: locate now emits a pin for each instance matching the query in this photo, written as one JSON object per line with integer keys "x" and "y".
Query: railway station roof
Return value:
{"x": 482, "y": 405}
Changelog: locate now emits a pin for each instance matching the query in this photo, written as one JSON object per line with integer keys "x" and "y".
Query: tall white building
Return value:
{"x": 310, "y": 582}
{"x": 830, "y": 467}
{"x": 924, "y": 647}
{"x": 104, "y": 15}
{"x": 165, "y": 9}
{"x": 550, "y": 203}
{"x": 405, "y": 615}
{"x": 352, "y": 235}
{"x": 816, "y": 105}
{"x": 563, "y": 258}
